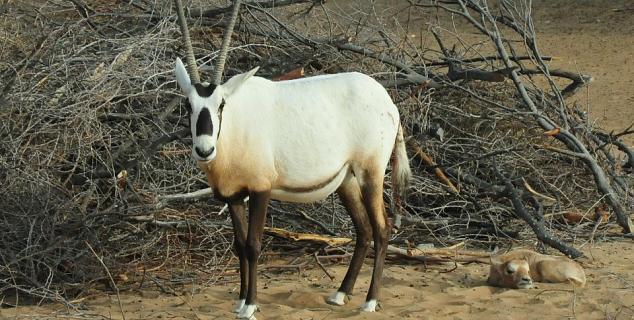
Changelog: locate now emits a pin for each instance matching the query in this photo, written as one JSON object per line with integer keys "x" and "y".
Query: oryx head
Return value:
{"x": 206, "y": 101}
{"x": 205, "y": 104}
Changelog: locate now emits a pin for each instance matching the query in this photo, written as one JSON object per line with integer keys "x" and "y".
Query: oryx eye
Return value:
{"x": 509, "y": 271}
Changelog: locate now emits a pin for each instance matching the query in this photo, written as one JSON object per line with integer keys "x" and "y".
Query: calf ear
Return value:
{"x": 494, "y": 276}
{"x": 182, "y": 77}
{"x": 236, "y": 82}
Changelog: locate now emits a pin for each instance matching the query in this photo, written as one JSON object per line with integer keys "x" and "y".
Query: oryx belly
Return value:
{"x": 311, "y": 193}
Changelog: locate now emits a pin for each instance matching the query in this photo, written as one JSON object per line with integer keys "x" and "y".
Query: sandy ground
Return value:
{"x": 594, "y": 39}
{"x": 409, "y": 292}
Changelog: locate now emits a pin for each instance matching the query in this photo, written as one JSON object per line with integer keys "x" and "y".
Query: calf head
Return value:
{"x": 510, "y": 274}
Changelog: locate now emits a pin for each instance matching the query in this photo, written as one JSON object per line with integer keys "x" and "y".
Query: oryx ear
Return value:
{"x": 182, "y": 77}
{"x": 237, "y": 81}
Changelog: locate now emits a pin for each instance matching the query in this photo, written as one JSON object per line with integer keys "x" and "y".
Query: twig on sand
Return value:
{"x": 114, "y": 285}
{"x": 323, "y": 268}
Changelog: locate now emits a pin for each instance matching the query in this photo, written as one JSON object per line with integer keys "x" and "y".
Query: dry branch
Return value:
{"x": 441, "y": 254}
{"x": 427, "y": 160}
{"x": 299, "y": 236}
{"x": 565, "y": 136}
{"x": 293, "y": 74}
{"x": 213, "y": 12}
{"x": 112, "y": 282}
{"x": 536, "y": 219}
{"x": 578, "y": 80}
{"x": 163, "y": 201}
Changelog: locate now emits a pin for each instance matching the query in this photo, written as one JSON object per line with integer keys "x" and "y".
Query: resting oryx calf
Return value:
{"x": 299, "y": 141}
{"x": 519, "y": 269}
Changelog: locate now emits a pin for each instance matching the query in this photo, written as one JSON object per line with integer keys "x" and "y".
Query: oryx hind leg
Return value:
{"x": 350, "y": 195}
{"x": 237, "y": 210}
{"x": 372, "y": 193}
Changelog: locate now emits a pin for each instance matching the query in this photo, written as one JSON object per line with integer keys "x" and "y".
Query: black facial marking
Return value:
{"x": 222, "y": 105}
{"x": 203, "y": 124}
{"x": 204, "y": 90}
{"x": 188, "y": 106}
{"x": 204, "y": 153}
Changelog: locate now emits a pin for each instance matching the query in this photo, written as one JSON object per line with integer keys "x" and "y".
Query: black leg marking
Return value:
{"x": 258, "y": 202}
{"x": 350, "y": 195}
{"x": 238, "y": 219}
{"x": 372, "y": 193}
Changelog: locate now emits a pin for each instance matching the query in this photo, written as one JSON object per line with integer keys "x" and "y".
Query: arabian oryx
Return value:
{"x": 300, "y": 141}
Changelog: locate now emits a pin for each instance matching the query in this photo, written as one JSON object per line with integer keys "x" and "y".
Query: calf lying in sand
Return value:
{"x": 520, "y": 268}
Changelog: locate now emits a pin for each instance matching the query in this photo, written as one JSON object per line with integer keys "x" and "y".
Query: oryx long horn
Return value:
{"x": 189, "y": 50}
{"x": 224, "y": 49}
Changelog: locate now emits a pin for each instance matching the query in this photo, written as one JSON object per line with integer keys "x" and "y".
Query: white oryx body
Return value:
{"x": 300, "y": 141}
{"x": 302, "y": 138}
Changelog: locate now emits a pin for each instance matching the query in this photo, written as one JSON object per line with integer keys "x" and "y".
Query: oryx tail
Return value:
{"x": 401, "y": 172}
{"x": 401, "y": 175}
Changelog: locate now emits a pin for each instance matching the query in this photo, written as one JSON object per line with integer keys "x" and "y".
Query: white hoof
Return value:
{"x": 239, "y": 306}
{"x": 338, "y": 298}
{"x": 369, "y": 306}
{"x": 247, "y": 312}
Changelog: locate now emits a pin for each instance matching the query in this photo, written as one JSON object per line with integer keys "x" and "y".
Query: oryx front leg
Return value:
{"x": 236, "y": 208}
{"x": 372, "y": 192}
{"x": 258, "y": 202}
{"x": 350, "y": 195}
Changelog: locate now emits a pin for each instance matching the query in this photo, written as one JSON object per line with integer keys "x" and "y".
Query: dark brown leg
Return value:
{"x": 236, "y": 208}
{"x": 258, "y": 202}
{"x": 350, "y": 195}
{"x": 372, "y": 192}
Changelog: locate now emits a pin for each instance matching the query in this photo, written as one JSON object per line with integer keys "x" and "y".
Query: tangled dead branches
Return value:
{"x": 95, "y": 139}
